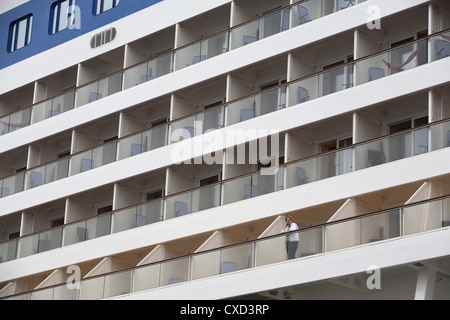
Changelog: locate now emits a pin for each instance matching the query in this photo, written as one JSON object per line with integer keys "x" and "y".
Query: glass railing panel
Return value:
{"x": 4, "y": 192}
{"x": 205, "y": 265}
{"x": 4, "y": 125}
{"x": 49, "y": 240}
{"x": 344, "y": 4}
{"x": 380, "y": 226}
{"x": 87, "y": 94}
{"x": 440, "y": 135}
{"x": 13, "y": 184}
{"x": 216, "y": 45}
{"x": 244, "y": 34}
{"x": 206, "y": 198}
{"x": 81, "y": 162}
{"x": 237, "y": 190}
{"x": 63, "y": 103}
{"x": 326, "y": 165}
{"x": 392, "y": 148}
{"x": 282, "y": 97}
{"x": 150, "y": 212}
{"x": 329, "y": 6}
{"x": 274, "y": 23}
{"x": 20, "y": 297}
{"x": 142, "y": 142}
{"x": 174, "y": 271}
{"x": 235, "y": 258}
{"x": 63, "y": 292}
{"x": 391, "y": 62}
{"x": 28, "y": 245}
{"x": 117, "y": 284}
{"x": 35, "y": 177}
{"x": 424, "y": 217}
{"x": 184, "y": 129}
{"x": 310, "y": 242}
{"x": 370, "y": 154}
{"x": 305, "y": 12}
{"x": 329, "y": 165}
{"x": 337, "y": 79}
{"x": 421, "y": 141}
{"x": 8, "y": 250}
{"x": 342, "y": 235}
{"x": 110, "y": 85}
{"x": 267, "y": 181}
{"x": 163, "y": 64}
{"x": 131, "y": 146}
{"x": 147, "y": 71}
{"x": 74, "y": 233}
{"x": 57, "y": 170}
{"x": 439, "y": 46}
{"x": 126, "y": 219}
{"x": 344, "y": 161}
{"x": 136, "y": 75}
{"x": 98, "y": 227}
{"x": 211, "y": 119}
{"x": 104, "y": 154}
{"x": 399, "y": 146}
{"x": 146, "y": 277}
{"x": 42, "y": 294}
{"x": 270, "y": 101}
{"x": 178, "y": 205}
{"x": 20, "y": 119}
{"x": 241, "y": 110}
{"x": 42, "y": 111}
{"x": 271, "y": 250}
{"x": 372, "y": 68}
{"x": 407, "y": 57}
{"x": 301, "y": 172}
{"x": 446, "y": 212}
{"x": 92, "y": 289}
{"x": 189, "y": 55}
{"x": 303, "y": 90}
{"x": 155, "y": 138}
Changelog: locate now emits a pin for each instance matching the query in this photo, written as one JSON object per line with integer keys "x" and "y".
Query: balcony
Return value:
{"x": 365, "y": 230}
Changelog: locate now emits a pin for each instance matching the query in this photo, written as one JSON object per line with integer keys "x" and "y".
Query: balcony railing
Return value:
{"x": 180, "y": 58}
{"x": 374, "y": 152}
{"x": 318, "y": 240}
{"x": 299, "y": 91}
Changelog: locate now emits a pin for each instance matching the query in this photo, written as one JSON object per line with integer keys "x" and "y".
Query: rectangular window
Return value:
{"x": 105, "y": 5}
{"x": 104, "y": 209}
{"x": 154, "y": 194}
{"x": 20, "y": 33}
{"x": 62, "y": 12}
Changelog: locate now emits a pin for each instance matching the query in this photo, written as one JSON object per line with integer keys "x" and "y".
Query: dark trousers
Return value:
{"x": 291, "y": 248}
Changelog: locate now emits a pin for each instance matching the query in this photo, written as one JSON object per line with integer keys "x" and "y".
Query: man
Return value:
{"x": 291, "y": 238}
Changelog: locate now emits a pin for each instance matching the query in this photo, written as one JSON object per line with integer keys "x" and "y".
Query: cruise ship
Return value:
{"x": 159, "y": 149}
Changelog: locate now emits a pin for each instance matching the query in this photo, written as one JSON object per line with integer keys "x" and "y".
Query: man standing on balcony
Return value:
{"x": 291, "y": 238}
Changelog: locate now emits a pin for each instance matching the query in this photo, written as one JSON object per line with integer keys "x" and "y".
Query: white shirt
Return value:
{"x": 293, "y": 236}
